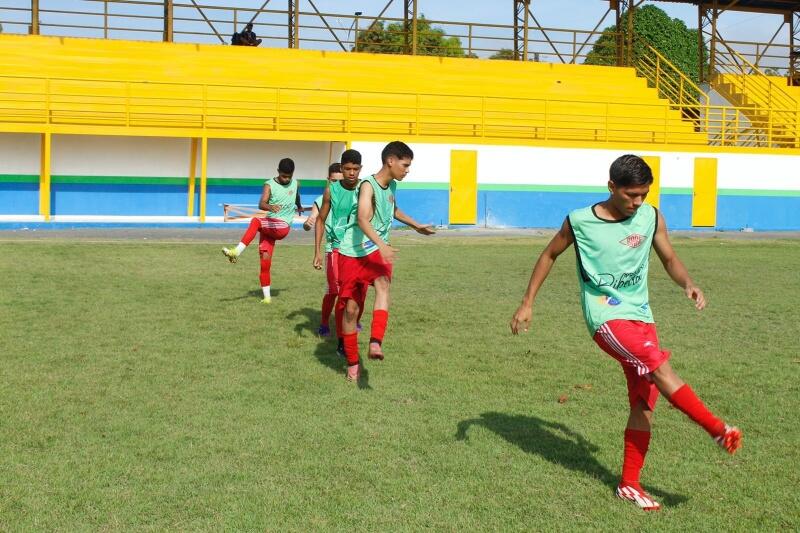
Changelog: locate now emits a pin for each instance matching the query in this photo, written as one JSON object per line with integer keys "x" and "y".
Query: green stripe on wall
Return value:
{"x": 756, "y": 192}
{"x": 19, "y": 178}
{"x": 118, "y": 180}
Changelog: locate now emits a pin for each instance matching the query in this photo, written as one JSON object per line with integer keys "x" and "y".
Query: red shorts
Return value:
{"x": 635, "y": 345}
{"x": 355, "y": 273}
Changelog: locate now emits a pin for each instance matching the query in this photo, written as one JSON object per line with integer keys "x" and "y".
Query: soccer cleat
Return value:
{"x": 353, "y": 372}
{"x": 266, "y": 301}
{"x": 324, "y": 331}
{"x": 638, "y": 496}
{"x": 375, "y": 351}
{"x": 358, "y": 327}
{"x": 730, "y": 440}
{"x": 231, "y": 254}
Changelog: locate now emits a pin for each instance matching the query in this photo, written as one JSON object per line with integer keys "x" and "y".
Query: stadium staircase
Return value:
{"x": 115, "y": 87}
{"x": 764, "y": 101}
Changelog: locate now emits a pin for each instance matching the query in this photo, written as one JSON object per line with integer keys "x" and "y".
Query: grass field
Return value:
{"x": 145, "y": 387}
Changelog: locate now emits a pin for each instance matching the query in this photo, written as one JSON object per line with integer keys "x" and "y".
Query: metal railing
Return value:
{"x": 65, "y": 105}
{"x": 193, "y": 21}
{"x": 769, "y": 124}
{"x": 767, "y": 105}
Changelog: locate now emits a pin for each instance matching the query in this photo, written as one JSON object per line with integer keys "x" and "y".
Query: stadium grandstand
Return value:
{"x": 146, "y": 115}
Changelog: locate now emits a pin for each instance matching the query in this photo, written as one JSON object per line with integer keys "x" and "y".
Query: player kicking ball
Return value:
{"x": 279, "y": 199}
{"x": 612, "y": 240}
{"x": 365, "y": 256}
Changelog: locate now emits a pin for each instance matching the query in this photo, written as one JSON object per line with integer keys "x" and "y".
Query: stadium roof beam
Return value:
{"x": 293, "y": 23}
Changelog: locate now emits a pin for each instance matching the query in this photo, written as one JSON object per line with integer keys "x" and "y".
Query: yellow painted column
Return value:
{"x": 654, "y": 196}
{"x": 463, "y": 187}
{"x": 192, "y": 175}
{"x": 44, "y": 177}
{"x": 704, "y": 195}
{"x": 203, "y": 176}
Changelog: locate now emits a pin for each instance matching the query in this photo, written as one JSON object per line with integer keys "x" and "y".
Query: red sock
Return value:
{"x": 636, "y": 444}
{"x": 340, "y": 305}
{"x": 327, "y": 306}
{"x": 351, "y": 348}
{"x": 379, "y": 319}
{"x": 264, "y": 276}
{"x": 252, "y": 230}
{"x": 686, "y": 400}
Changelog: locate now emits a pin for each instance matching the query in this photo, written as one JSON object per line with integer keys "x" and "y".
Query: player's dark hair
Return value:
{"x": 286, "y": 166}
{"x": 397, "y": 149}
{"x": 335, "y": 168}
{"x": 630, "y": 171}
{"x": 351, "y": 156}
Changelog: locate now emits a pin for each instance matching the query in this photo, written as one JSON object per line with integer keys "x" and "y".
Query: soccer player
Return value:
{"x": 334, "y": 174}
{"x": 612, "y": 242}
{"x": 279, "y": 199}
{"x": 336, "y": 204}
{"x": 365, "y": 256}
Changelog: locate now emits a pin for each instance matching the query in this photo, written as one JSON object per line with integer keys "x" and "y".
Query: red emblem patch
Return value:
{"x": 634, "y": 241}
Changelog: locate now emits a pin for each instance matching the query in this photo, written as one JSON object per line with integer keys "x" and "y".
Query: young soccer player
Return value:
{"x": 365, "y": 256}
{"x": 336, "y": 204}
{"x": 612, "y": 243}
{"x": 334, "y": 174}
{"x": 279, "y": 199}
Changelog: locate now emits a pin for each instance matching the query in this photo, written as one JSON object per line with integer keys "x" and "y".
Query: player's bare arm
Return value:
{"x": 560, "y": 242}
{"x": 365, "y": 214}
{"x": 423, "y": 229}
{"x": 674, "y": 266}
{"x": 264, "y": 204}
{"x": 319, "y": 227}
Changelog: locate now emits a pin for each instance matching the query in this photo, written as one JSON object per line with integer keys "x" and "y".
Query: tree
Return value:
{"x": 504, "y": 53}
{"x": 671, "y": 37}
{"x": 391, "y": 39}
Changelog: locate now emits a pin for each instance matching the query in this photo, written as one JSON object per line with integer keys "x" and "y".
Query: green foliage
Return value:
{"x": 391, "y": 39}
{"x": 669, "y": 36}
{"x": 504, "y": 53}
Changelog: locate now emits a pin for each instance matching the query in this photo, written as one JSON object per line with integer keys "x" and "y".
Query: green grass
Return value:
{"x": 145, "y": 387}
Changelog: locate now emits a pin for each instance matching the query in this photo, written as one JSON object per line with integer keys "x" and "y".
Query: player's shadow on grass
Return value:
{"x": 254, "y": 294}
{"x": 556, "y": 443}
{"x": 325, "y": 351}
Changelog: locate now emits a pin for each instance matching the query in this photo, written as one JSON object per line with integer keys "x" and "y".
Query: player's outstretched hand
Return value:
{"x": 521, "y": 319}
{"x": 426, "y": 229}
{"x": 388, "y": 253}
{"x": 697, "y": 295}
{"x": 317, "y": 262}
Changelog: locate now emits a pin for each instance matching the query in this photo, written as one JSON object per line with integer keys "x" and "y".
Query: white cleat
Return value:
{"x": 644, "y": 501}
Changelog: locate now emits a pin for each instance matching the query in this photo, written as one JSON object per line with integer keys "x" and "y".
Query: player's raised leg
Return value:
{"x": 250, "y": 233}
{"x": 681, "y": 395}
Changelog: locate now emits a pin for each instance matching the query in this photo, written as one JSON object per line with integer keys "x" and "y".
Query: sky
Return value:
{"x": 576, "y": 14}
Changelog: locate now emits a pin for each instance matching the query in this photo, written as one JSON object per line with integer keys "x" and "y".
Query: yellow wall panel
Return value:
{"x": 704, "y": 197}
{"x": 654, "y": 197}
{"x": 463, "y": 187}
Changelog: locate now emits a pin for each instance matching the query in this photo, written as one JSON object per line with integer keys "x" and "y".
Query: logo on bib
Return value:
{"x": 634, "y": 241}
{"x": 610, "y": 300}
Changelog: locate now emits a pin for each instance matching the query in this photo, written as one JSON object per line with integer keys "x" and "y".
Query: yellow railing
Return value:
{"x": 766, "y": 104}
{"x": 63, "y": 105}
{"x": 722, "y": 125}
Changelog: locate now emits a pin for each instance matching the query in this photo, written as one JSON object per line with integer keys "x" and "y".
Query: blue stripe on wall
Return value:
{"x": 19, "y": 198}
{"x": 538, "y": 209}
{"x": 118, "y": 199}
